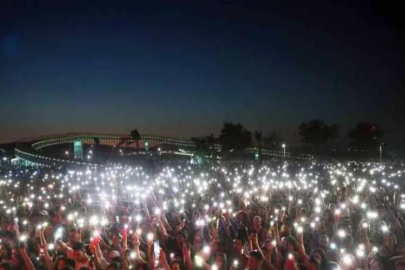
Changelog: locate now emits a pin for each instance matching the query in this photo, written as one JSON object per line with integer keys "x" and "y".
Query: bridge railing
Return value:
{"x": 50, "y": 161}
{"x": 46, "y": 141}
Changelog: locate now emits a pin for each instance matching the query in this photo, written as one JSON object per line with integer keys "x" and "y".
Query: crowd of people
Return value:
{"x": 287, "y": 215}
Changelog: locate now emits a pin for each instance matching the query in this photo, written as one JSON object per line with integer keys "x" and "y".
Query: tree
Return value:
{"x": 204, "y": 145}
{"x": 365, "y": 136}
{"x": 272, "y": 141}
{"x": 200, "y": 146}
{"x": 259, "y": 140}
{"x": 316, "y": 132}
{"x": 211, "y": 143}
{"x": 234, "y": 137}
{"x": 136, "y": 137}
{"x": 122, "y": 141}
{"x": 96, "y": 141}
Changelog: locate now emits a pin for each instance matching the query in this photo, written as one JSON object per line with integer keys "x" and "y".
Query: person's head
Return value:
{"x": 324, "y": 242}
{"x": 61, "y": 263}
{"x": 238, "y": 245}
{"x": 116, "y": 239}
{"x": 257, "y": 223}
{"x": 113, "y": 266}
{"x": 220, "y": 260}
{"x": 327, "y": 215}
{"x": 347, "y": 241}
{"x": 113, "y": 256}
{"x": 4, "y": 224}
{"x": 261, "y": 211}
{"x": 5, "y": 251}
{"x": 286, "y": 229}
{"x": 57, "y": 209}
{"x": 176, "y": 216}
{"x": 313, "y": 264}
{"x": 268, "y": 244}
{"x": 197, "y": 242}
{"x": 215, "y": 246}
{"x": 291, "y": 244}
{"x": 79, "y": 251}
{"x": 319, "y": 255}
{"x": 255, "y": 260}
{"x": 181, "y": 237}
{"x": 39, "y": 204}
{"x": 74, "y": 235}
{"x": 400, "y": 265}
{"x": 344, "y": 191}
{"x": 125, "y": 208}
{"x": 48, "y": 231}
{"x": 15, "y": 254}
{"x": 175, "y": 265}
{"x": 239, "y": 216}
{"x": 196, "y": 216}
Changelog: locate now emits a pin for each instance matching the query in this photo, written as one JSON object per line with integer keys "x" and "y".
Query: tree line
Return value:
{"x": 315, "y": 135}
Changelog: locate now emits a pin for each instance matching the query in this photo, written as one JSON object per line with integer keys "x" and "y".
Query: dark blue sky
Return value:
{"x": 185, "y": 67}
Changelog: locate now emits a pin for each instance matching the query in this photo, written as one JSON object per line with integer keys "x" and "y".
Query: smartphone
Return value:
{"x": 156, "y": 249}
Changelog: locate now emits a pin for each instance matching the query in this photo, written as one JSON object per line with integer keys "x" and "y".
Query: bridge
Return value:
{"x": 27, "y": 149}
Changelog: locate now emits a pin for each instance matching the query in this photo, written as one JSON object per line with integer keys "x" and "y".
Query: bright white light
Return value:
{"x": 384, "y": 228}
{"x": 347, "y": 260}
{"x": 132, "y": 255}
{"x": 341, "y": 233}
{"x": 199, "y": 261}
{"x": 360, "y": 253}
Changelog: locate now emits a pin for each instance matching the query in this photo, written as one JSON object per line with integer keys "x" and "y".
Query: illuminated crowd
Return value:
{"x": 286, "y": 215}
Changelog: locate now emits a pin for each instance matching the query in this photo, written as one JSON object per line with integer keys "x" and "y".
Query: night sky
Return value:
{"x": 184, "y": 67}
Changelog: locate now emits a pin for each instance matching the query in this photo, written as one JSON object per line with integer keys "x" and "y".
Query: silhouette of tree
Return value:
{"x": 122, "y": 141}
{"x": 259, "y": 141}
{"x": 136, "y": 137}
{"x": 96, "y": 141}
{"x": 234, "y": 137}
{"x": 201, "y": 146}
{"x": 316, "y": 132}
{"x": 365, "y": 136}
{"x": 204, "y": 145}
{"x": 272, "y": 141}
{"x": 211, "y": 141}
